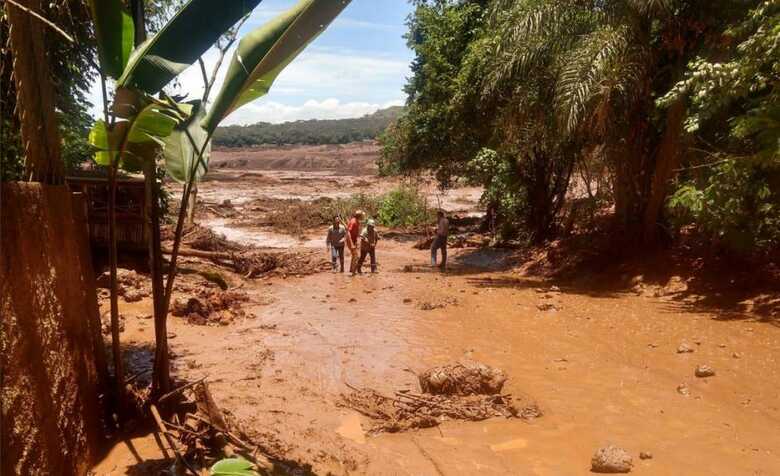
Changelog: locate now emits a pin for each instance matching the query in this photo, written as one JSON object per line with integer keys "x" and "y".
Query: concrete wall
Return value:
{"x": 49, "y": 335}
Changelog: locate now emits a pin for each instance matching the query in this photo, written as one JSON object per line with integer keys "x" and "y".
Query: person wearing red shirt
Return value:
{"x": 353, "y": 243}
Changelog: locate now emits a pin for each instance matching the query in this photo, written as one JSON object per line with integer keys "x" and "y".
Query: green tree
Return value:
{"x": 732, "y": 190}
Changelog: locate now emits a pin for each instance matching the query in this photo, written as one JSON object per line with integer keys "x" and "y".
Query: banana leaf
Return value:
{"x": 262, "y": 54}
{"x": 135, "y": 140}
{"x": 183, "y": 146}
{"x": 188, "y": 35}
{"x": 233, "y": 467}
{"x": 115, "y": 34}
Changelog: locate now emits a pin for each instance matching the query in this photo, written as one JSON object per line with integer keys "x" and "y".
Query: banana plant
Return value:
{"x": 261, "y": 55}
{"x": 141, "y": 128}
{"x": 190, "y": 33}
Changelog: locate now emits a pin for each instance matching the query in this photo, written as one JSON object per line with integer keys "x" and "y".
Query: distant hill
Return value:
{"x": 312, "y": 132}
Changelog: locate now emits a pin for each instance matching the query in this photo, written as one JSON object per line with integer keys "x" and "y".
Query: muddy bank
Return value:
{"x": 601, "y": 361}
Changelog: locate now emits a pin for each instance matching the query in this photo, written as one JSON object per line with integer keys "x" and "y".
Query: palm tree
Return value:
{"x": 611, "y": 60}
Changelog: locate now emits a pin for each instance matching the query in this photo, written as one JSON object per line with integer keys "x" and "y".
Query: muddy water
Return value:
{"x": 603, "y": 367}
{"x": 251, "y": 237}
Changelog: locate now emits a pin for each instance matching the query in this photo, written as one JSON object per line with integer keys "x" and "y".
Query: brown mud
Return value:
{"x": 599, "y": 355}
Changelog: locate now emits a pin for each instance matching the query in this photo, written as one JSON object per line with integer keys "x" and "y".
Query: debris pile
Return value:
{"x": 463, "y": 240}
{"x": 199, "y": 434}
{"x": 430, "y": 306}
{"x": 468, "y": 391}
{"x": 130, "y": 285}
{"x": 205, "y": 239}
{"x": 286, "y": 263}
{"x": 212, "y": 307}
{"x": 203, "y": 243}
{"x": 466, "y": 378}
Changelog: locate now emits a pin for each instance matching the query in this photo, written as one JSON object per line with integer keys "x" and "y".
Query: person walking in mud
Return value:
{"x": 335, "y": 242}
{"x": 368, "y": 241}
{"x": 353, "y": 240}
{"x": 440, "y": 240}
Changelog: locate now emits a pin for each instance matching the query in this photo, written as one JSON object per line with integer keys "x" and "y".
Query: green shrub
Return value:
{"x": 404, "y": 206}
{"x": 737, "y": 204}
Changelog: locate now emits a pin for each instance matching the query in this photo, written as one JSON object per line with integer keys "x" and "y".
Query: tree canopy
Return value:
{"x": 538, "y": 101}
{"x": 311, "y": 132}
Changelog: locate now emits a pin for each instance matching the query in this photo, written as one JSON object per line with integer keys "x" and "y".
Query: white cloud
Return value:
{"x": 322, "y": 83}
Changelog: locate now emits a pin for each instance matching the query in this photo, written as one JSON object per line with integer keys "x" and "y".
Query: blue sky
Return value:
{"x": 358, "y": 65}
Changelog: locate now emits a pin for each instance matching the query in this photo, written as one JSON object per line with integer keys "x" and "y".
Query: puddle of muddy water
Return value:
{"x": 352, "y": 429}
{"x": 261, "y": 239}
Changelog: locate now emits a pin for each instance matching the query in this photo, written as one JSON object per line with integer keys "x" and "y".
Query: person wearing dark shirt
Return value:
{"x": 337, "y": 236}
{"x": 440, "y": 240}
{"x": 368, "y": 241}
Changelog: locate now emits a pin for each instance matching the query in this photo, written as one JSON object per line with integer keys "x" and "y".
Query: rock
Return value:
{"x": 547, "y": 306}
{"x": 105, "y": 321}
{"x": 611, "y": 459}
{"x": 703, "y": 371}
{"x": 684, "y": 349}
{"x": 645, "y": 455}
{"x": 133, "y": 295}
{"x": 675, "y": 285}
{"x": 555, "y": 289}
{"x": 407, "y": 300}
{"x": 683, "y": 390}
{"x": 736, "y": 355}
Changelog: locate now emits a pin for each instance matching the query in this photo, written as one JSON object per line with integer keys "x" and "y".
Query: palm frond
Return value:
{"x": 605, "y": 65}
{"x": 533, "y": 34}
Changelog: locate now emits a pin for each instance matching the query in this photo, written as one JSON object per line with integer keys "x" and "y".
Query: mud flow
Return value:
{"x": 365, "y": 375}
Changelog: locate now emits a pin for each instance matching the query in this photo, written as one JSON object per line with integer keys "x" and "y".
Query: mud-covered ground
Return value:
{"x": 601, "y": 361}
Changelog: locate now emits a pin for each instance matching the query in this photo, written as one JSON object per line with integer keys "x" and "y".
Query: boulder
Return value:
{"x": 611, "y": 459}
{"x": 704, "y": 371}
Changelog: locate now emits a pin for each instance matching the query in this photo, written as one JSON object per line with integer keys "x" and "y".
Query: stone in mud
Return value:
{"x": 466, "y": 378}
{"x": 611, "y": 459}
{"x": 684, "y": 349}
{"x": 683, "y": 390}
{"x": 547, "y": 306}
{"x": 703, "y": 371}
{"x": 105, "y": 322}
{"x": 133, "y": 295}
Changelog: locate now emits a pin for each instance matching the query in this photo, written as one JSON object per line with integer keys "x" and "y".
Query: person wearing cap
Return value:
{"x": 368, "y": 241}
{"x": 440, "y": 240}
{"x": 335, "y": 240}
{"x": 353, "y": 240}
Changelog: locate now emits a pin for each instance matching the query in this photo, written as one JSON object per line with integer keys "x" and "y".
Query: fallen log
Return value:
{"x": 211, "y": 255}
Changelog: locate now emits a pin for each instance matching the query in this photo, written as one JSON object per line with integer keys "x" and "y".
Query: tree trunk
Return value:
{"x": 161, "y": 380}
{"x": 193, "y": 203}
{"x": 34, "y": 95}
{"x": 667, "y": 160}
{"x": 119, "y": 373}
